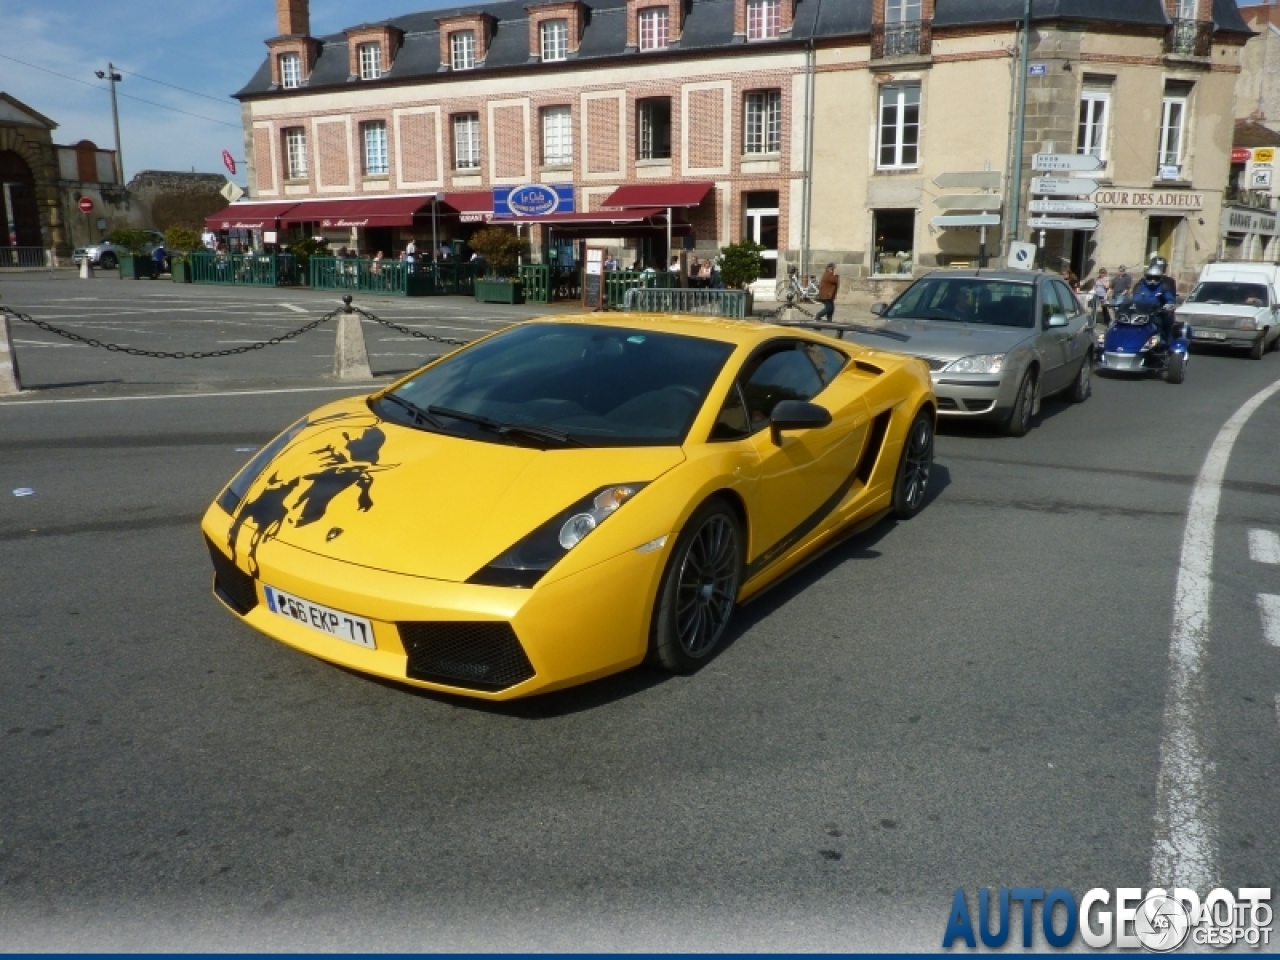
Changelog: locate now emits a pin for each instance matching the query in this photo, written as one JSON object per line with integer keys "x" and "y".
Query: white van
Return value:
{"x": 1237, "y": 305}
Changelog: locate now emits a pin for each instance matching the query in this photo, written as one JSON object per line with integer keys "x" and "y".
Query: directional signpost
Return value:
{"x": 972, "y": 180}
{"x": 1063, "y": 206}
{"x": 967, "y": 220}
{"x": 1065, "y": 181}
{"x": 978, "y": 205}
{"x": 1062, "y": 186}
{"x": 968, "y": 201}
{"x": 1066, "y": 163}
{"x": 1062, "y": 223}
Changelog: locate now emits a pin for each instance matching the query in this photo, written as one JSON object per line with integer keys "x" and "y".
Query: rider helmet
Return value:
{"x": 1155, "y": 270}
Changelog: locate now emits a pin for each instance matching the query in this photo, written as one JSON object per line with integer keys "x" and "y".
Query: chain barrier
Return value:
{"x": 230, "y": 352}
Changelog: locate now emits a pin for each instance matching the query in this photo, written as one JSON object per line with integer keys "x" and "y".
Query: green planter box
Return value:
{"x": 136, "y": 267}
{"x": 499, "y": 291}
{"x": 181, "y": 270}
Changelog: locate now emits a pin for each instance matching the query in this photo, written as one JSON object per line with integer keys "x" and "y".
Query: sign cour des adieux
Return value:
{"x": 1124, "y": 199}
{"x": 532, "y": 200}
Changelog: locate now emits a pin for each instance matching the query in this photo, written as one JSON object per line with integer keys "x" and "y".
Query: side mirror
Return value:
{"x": 797, "y": 415}
{"x": 1057, "y": 320}
{"x": 879, "y": 308}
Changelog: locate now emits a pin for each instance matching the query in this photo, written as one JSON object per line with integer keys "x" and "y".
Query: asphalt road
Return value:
{"x": 975, "y": 697}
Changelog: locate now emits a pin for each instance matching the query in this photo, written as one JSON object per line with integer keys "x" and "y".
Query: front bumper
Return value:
{"x": 1124, "y": 362}
{"x": 569, "y": 631}
{"x": 1243, "y": 339}
{"x": 980, "y": 396}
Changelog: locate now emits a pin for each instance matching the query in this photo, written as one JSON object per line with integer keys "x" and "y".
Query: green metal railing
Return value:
{"x": 394, "y": 278}
{"x": 244, "y": 269}
{"x": 618, "y": 282}
{"x": 536, "y": 278}
{"x": 707, "y": 303}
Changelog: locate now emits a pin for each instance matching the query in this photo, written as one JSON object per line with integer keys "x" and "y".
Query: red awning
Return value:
{"x": 249, "y": 216}
{"x": 601, "y": 218}
{"x": 477, "y": 201}
{"x": 395, "y": 211}
{"x": 658, "y": 195}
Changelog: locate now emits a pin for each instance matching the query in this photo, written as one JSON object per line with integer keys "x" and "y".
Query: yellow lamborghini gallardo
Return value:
{"x": 567, "y": 498}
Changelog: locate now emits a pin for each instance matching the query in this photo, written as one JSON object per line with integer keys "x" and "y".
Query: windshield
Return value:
{"x": 1002, "y": 303}
{"x": 1232, "y": 294}
{"x": 546, "y": 382}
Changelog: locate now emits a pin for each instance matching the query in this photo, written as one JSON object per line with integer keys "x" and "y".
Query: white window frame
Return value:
{"x": 369, "y": 59}
{"x": 290, "y": 71}
{"x": 466, "y": 141}
{"x": 296, "y": 166}
{"x": 902, "y": 11}
{"x": 557, "y": 136}
{"x": 462, "y": 50}
{"x": 1185, "y": 9}
{"x": 1093, "y": 128}
{"x": 1173, "y": 135}
{"x": 375, "y": 148}
{"x": 553, "y": 40}
{"x": 653, "y": 27}
{"x": 762, "y": 122}
{"x": 764, "y": 19}
{"x": 648, "y": 131}
{"x": 897, "y": 97}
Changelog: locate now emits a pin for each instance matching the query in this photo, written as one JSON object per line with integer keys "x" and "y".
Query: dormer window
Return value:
{"x": 462, "y": 50}
{"x": 764, "y": 19}
{"x": 654, "y": 26}
{"x": 370, "y": 60}
{"x": 902, "y": 11}
{"x": 554, "y": 35}
{"x": 290, "y": 71}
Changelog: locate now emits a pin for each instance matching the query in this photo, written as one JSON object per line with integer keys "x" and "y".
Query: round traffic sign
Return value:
{"x": 229, "y": 162}
{"x": 86, "y": 205}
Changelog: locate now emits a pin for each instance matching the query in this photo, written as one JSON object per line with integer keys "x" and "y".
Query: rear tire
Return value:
{"x": 1177, "y": 371}
{"x": 1019, "y": 421}
{"x": 107, "y": 261}
{"x": 699, "y": 589}
{"x": 1082, "y": 387}
{"x": 911, "y": 485}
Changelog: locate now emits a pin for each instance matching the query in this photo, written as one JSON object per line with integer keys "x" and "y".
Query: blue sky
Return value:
{"x": 208, "y": 47}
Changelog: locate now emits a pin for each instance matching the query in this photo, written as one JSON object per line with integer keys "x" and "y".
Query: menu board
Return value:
{"x": 593, "y": 279}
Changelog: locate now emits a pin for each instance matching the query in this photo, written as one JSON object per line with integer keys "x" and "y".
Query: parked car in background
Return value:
{"x": 107, "y": 255}
{"x": 996, "y": 341}
{"x": 1236, "y": 305}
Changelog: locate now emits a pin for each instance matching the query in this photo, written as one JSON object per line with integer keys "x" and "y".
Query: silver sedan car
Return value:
{"x": 996, "y": 342}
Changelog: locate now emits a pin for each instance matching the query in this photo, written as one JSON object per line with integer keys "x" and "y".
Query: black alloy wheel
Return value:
{"x": 1082, "y": 386}
{"x": 914, "y": 468}
{"x": 699, "y": 589}
{"x": 1019, "y": 421}
{"x": 107, "y": 261}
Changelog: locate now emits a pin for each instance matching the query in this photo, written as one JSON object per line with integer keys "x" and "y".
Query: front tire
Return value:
{"x": 699, "y": 589}
{"x": 1177, "y": 371}
{"x": 1082, "y": 387}
{"x": 107, "y": 261}
{"x": 1259, "y": 347}
{"x": 914, "y": 467}
{"x": 1019, "y": 421}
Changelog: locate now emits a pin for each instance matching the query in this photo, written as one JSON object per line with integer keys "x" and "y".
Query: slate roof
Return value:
{"x": 708, "y": 27}
{"x": 1252, "y": 134}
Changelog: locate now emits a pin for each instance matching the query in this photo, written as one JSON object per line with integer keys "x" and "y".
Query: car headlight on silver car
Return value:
{"x": 979, "y": 363}
{"x": 1248, "y": 323}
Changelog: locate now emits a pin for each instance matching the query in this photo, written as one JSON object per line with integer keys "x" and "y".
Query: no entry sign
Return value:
{"x": 86, "y": 205}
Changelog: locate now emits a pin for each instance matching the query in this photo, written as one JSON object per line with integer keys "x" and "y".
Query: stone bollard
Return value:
{"x": 350, "y": 356}
{"x": 9, "y": 381}
{"x": 86, "y": 269}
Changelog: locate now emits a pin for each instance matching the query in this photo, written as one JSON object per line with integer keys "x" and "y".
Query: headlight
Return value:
{"x": 1248, "y": 323}
{"x": 1152, "y": 342}
{"x": 524, "y": 564}
{"x": 239, "y": 486}
{"x": 981, "y": 363}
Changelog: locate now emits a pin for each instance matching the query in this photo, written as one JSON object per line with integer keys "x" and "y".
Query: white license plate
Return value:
{"x": 322, "y": 619}
{"x": 1207, "y": 335}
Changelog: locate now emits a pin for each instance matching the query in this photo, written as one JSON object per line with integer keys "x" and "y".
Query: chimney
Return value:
{"x": 293, "y": 18}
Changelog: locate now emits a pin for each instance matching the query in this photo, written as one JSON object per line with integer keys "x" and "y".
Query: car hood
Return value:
{"x": 356, "y": 488}
{"x": 945, "y": 340}
{"x": 1217, "y": 310}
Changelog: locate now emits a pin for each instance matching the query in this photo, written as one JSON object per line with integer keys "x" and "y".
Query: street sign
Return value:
{"x": 967, "y": 220}
{"x": 1241, "y": 154}
{"x": 86, "y": 205}
{"x": 968, "y": 201}
{"x": 231, "y": 191}
{"x": 1037, "y": 69}
{"x": 229, "y": 162}
{"x": 1069, "y": 186}
{"x": 973, "y": 180}
{"x": 1263, "y": 154}
{"x": 1063, "y": 206}
{"x": 1062, "y": 223}
{"x": 1066, "y": 163}
{"x": 1022, "y": 256}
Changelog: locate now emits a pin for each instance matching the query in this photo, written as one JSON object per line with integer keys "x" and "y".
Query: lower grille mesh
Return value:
{"x": 474, "y": 656}
{"x": 233, "y": 586}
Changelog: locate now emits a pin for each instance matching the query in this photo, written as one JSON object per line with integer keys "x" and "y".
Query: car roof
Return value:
{"x": 724, "y": 329}
{"x": 1016, "y": 276}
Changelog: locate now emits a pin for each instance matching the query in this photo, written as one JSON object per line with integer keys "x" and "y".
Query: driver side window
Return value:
{"x": 783, "y": 374}
{"x": 1070, "y": 305}
{"x": 1049, "y": 304}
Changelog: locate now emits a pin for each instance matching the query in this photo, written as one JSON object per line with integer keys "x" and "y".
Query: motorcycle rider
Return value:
{"x": 1152, "y": 295}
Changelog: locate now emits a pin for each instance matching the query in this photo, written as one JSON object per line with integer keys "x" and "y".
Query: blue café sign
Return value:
{"x": 533, "y": 200}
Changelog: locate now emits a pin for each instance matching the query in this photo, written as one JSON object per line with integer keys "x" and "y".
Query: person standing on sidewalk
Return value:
{"x": 828, "y": 287}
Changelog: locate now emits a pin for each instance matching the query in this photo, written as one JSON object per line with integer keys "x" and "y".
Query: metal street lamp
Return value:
{"x": 112, "y": 79}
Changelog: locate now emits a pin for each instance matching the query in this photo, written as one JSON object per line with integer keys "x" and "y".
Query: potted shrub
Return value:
{"x": 302, "y": 251}
{"x": 499, "y": 249}
{"x": 181, "y": 242}
{"x": 136, "y": 263}
{"x": 741, "y": 264}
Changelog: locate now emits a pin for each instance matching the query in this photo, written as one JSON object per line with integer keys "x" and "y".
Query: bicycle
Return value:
{"x": 791, "y": 288}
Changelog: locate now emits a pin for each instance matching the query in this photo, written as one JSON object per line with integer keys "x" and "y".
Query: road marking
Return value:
{"x": 255, "y": 341}
{"x": 1184, "y": 853}
{"x": 41, "y": 343}
{"x": 294, "y": 307}
{"x": 1269, "y": 607}
{"x": 10, "y": 404}
{"x": 1264, "y": 546}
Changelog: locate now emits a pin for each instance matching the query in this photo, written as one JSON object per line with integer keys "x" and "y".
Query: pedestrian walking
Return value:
{"x": 828, "y": 287}
{"x": 1101, "y": 294}
{"x": 1121, "y": 285}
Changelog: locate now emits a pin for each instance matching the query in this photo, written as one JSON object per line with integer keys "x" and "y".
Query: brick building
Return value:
{"x": 817, "y": 127}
